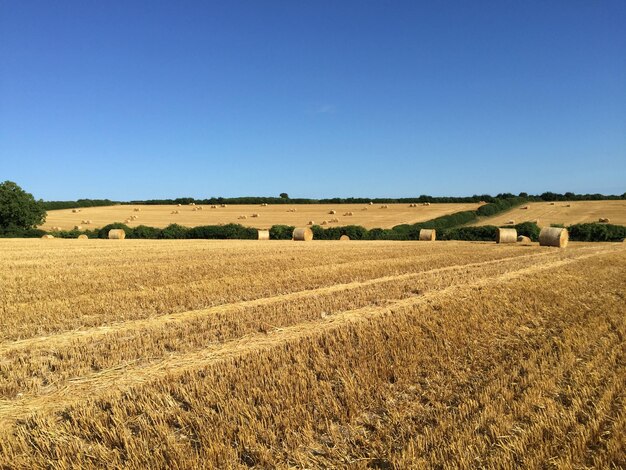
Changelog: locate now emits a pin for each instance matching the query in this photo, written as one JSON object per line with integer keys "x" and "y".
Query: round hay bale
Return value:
{"x": 75, "y": 211}
{"x": 223, "y": 205}
{"x": 371, "y": 203}
{"x": 348, "y": 214}
{"x": 83, "y": 237}
{"x": 255, "y": 215}
{"x": 384, "y": 206}
{"x": 428, "y": 235}
{"x": 242, "y": 217}
{"x": 303, "y": 234}
{"x": 178, "y": 205}
{"x": 117, "y": 234}
{"x": 264, "y": 204}
{"x": 332, "y": 212}
{"x": 510, "y": 222}
{"x": 603, "y": 220}
{"x": 213, "y": 207}
{"x": 263, "y": 234}
{"x": 551, "y": 204}
{"x": 310, "y": 222}
{"x": 523, "y": 239}
{"x": 77, "y": 227}
{"x": 344, "y": 238}
{"x": 324, "y": 222}
{"x": 47, "y": 236}
{"x": 553, "y": 236}
{"x": 136, "y": 209}
{"x": 524, "y": 207}
{"x": 506, "y": 235}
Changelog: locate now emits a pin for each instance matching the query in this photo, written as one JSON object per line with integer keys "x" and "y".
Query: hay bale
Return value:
{"x": 213, "y": 207}
{"x": 302, "y": 234}
{"x": 510, "y": 222}
{"x": 385, "y": 206}
{"x": 263, "y": 234}
{"x": 551, "y": 204}
{"x": 426, "y": 204}
{"x": 348, "y": 214}
{"x": 371, "y": 203}
{"x": 223, "y": 205}
{"x": 174, "y": 212}
{"x": 75, "y": 211}
{"x": 332, "y": 212}
{"x": 127, "y": 221}
{"x": 117, "y": 234}
{"x": 344, "y": 238}
{"x": 178, "y": 205}
{"x": 136, "y": 209}
{"x": 324, "y": 222}
{"x": 523, "y": 239}
{"x": 310, "y": 222}
{"x": 255, "y": 215}
{"x": 553, "y": 236}
{"x": 242, "y": 217}
{"x": 603, "y": 220}
{"x": 77, "y": 227}
{"x": 264, "y": 204}
{"x": 506, "y": 235}
{"x": 428, "y": 235}
{"x": 192, "y": 203}
{"x": 47, "y": 236}
{"x": 524, "y": 207}
{"x": 83, "y": 237}
{"x": 568, "y": 205}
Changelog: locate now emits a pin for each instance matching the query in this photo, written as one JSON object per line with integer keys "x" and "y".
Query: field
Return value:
{"x": 546, "y": 213}
{"x": 161, "y": 216}
{"x": 237, "y": 354}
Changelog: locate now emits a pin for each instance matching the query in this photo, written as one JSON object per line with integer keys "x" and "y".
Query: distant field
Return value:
{"x": 546, "y": 213}
{"x": 243, "y": 354}
{"x": 161, "y": 216}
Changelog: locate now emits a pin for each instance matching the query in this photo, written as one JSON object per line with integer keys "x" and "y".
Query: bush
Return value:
{"x": 528, "y": 229}
{"x": 482, "y": 233}
{"x": 281, "y": 232}
{"x": 145, "y": 232}
{"x": 499, "y": 205}
{"x": 15, "y": 232}
{"x": 597, "y": 233}
{"x": 19, "y": 210}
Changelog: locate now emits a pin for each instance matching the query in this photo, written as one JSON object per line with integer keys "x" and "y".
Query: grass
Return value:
{"x": 161, "y": 216}
{"x": 222, "y": 354}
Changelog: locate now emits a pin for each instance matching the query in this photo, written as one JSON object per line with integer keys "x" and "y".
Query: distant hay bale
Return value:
{"x": 428, "y": 235}
{"x": 192, "y": 203}
{"x": 324, "y": 222}
{"x": 603, "y": 220}
{"x": 568, "y": 205}
{"x": 310, "y": 222}
{"x": 348, "y": 214}
{"x": 264, "y": 204}
{"x": 127, "y": 221}
{"x": 136, "y": 209}
{"x": 364, "y": 209}
{"x": 77, "y": 227}
{"x": 371, "y": 203}
{"x": 174, "y": 212}
{"x": 344, "y": 238}
{"x": 75, "y": 211}
{"x": 412, "y": 205}
{"x": 263, "y": 234}
{"x": 506, "y": 235}
{"x": 335, "y": 220}
{"x": 384, "y": 206}
{"x": 332, "y": 212}
{"x": 83, "y": 237}
{"x": 291, "y": 210}
{"x": 47, "y": 237}
{"x": 242, "y": 217}
{"x": 551, "y": 204}
{"x": 117, "y": 234}
{"x": 302, "y": 234}
{"x": 426, "y": 204}
{"x": 553, "y": 236}
{"x": 255, "y": 215}
{"x": 510, "y": 222}
{"x": 223, "y": 205}
{"x": 523, "y": 239}
{"x": 524, "y": 207}
{"x": 178, "y": 205}
{"x": 213, "y": 207}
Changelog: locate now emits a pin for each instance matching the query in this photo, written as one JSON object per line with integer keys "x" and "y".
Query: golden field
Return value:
{"x": 565, "y": 213}
{"x": 239, "y": 354}
{"x": 161, "y": 216}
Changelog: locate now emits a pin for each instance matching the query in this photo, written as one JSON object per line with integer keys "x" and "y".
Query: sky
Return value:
{"x": 155, "y": 99}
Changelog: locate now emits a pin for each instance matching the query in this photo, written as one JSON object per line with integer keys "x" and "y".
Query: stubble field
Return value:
{"x": 238, "y": 354}
{"x": 286, "y": 214}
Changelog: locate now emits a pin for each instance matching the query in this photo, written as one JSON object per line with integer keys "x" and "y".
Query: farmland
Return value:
{"x": 565, "y": 213}
{"x": 295, "y": 214}
{"x": 226, "y": 354}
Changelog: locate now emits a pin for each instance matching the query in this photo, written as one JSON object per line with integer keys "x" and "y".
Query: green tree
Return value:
{"x": 284, "y": 195}
{"x": 19, "y": 209}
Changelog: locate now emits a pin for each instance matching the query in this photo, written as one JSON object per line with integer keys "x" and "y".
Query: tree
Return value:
{"x": 284, "y": 195}
{"x": 19, "y": 209}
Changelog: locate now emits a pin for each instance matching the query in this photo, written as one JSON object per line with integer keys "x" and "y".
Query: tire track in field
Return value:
{"x": 57, "y": 340}
{"x": 129, "y": 375}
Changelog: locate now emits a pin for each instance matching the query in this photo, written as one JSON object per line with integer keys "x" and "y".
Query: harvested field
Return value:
{"x": 566, "y": 213}
{"x": 227, "y": 354}
{"x": 161, "y": 216}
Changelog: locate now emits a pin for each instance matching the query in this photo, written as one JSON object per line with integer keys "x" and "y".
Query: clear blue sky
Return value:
{"x": 137, "y": 100}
